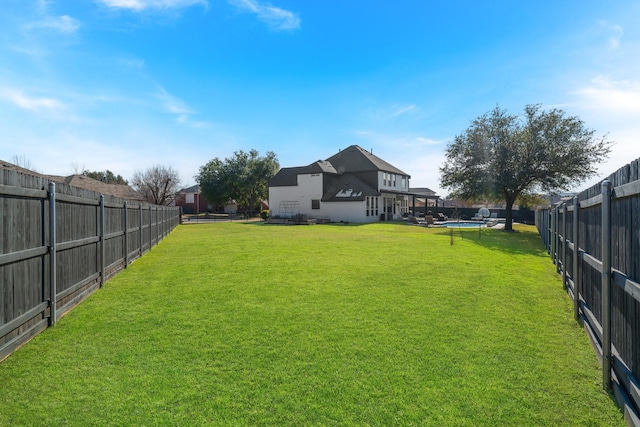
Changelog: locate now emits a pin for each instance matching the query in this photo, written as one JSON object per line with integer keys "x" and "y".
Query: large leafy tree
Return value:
{"x": 504, "y": 157}
{"x": 244, "y": 177}
{"x": 158, "y": 184}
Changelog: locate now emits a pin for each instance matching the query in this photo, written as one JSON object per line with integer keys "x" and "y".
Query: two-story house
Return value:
{"x": 353, "y": 185}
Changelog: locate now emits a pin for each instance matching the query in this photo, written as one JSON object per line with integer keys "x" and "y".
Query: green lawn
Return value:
{"x": 255, "y": 324}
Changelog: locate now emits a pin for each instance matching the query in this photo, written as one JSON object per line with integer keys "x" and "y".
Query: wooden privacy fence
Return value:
{"x": 59, "y": 244}
{"x": 594, "y": 240}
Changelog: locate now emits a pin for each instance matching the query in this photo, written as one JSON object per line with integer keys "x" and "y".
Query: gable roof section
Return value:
{"x": 289, "y": 176}
{"x": 285, "y": 177}
{"x": 355, "y": 159}
{"x": 193, "y": 189}
{"x": 347, "y": 188}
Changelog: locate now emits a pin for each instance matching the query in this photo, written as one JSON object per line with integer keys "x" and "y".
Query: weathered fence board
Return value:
{"x": 602, "y": 261}
{"x": 71, "y": 245}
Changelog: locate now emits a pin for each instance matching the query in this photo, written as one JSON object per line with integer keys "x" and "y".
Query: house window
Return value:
{"x": 404, "y": 182}
{"x": 371, "y": 208}
{"x": 315, "y": 204}
{"x": 393, "y": 180}
{"x": 404, "y": 206}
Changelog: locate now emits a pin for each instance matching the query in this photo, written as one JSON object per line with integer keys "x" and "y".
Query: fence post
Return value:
{"x": 554, "y": 237}
{"x": 564, "y": 246}
{"x": 126, "y": 235}
{"x": 150, "y": 226}
{"x": 102, "y": 254}
{"x": 576, "y": 271}
{"x": 140, "y": 227}
{"x": 549, "y": 232}
{"x": 551, "y": 236}
{"x": 52, "y": 255}
{"x": 606, "y": 285}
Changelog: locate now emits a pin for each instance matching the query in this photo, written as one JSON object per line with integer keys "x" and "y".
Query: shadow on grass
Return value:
{"x": 520, "y": 241}
{"x": 524, "y": 240}
{"x": 331, "y": 224}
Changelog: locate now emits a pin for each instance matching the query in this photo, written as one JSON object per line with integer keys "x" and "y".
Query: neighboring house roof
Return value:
{"x": 193, "y": 189}
{"x": 16, "y": 168}
{"x": 356, "y": 159}
{"x": 82, "y": 181}
{"x": 422, "y": 191}
{"x": 118, "y": 190}
{"x": 347, "y": 187}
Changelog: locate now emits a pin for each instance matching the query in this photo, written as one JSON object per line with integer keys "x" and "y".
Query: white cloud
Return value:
{"x": 400, "y": 110}
{"x": 180, "y": 109}
{"x": 613, "y": 32}
{"x": 424, "y": 170}
{"x": 173, "y": 104}
{"x": 131, "y": 62}
{"x": 64, "y": 24}
{"x": 397, "y": 140}
{"x": 19, "y": 99}
{"x": 619, "y": 97}
{"x": 276, "y": 18}
{"x": 140, "y": 5}
{"x": 612, "y": 107}
{"x": 426, "y": 141}
{"x": 417, "y": 155}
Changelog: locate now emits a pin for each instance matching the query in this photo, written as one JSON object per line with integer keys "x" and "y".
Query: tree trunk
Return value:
{"x": 508, "y": 223}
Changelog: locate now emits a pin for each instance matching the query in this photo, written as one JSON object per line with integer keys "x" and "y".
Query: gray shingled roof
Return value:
{"x": 353, "y": 159}
{"x": 193, "y": 189}
{"x": 356, "y": 159}
{"x": 288, "y": 176}
{"x": 347, "y": 187}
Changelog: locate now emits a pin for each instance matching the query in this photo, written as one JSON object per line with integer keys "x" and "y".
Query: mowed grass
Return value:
{"x": 253, "y": 324}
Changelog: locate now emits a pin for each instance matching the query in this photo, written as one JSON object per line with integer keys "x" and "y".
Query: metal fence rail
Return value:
{"x": 594, "y": 241}
{"x": 59, "y": 244}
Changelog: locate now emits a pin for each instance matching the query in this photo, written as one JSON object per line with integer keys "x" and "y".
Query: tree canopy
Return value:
{"x": 158, "y": 184}
{"x": 105, "y": 176}
{"x": 243, "y": 178}
{"x": 503, "y": 157}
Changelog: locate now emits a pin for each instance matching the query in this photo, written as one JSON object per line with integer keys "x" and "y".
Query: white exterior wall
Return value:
{"x": 231, "y": 209}
{"x": 309, "y": 188}
{"x": 389, "y": 184}
{"x": 346, "y": 212}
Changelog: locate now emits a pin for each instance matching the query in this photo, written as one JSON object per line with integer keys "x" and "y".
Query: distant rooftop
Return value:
{"x": 81, "y": 181}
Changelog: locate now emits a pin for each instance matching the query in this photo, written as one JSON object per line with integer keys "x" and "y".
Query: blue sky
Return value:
{"x": 126, "y": 84}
